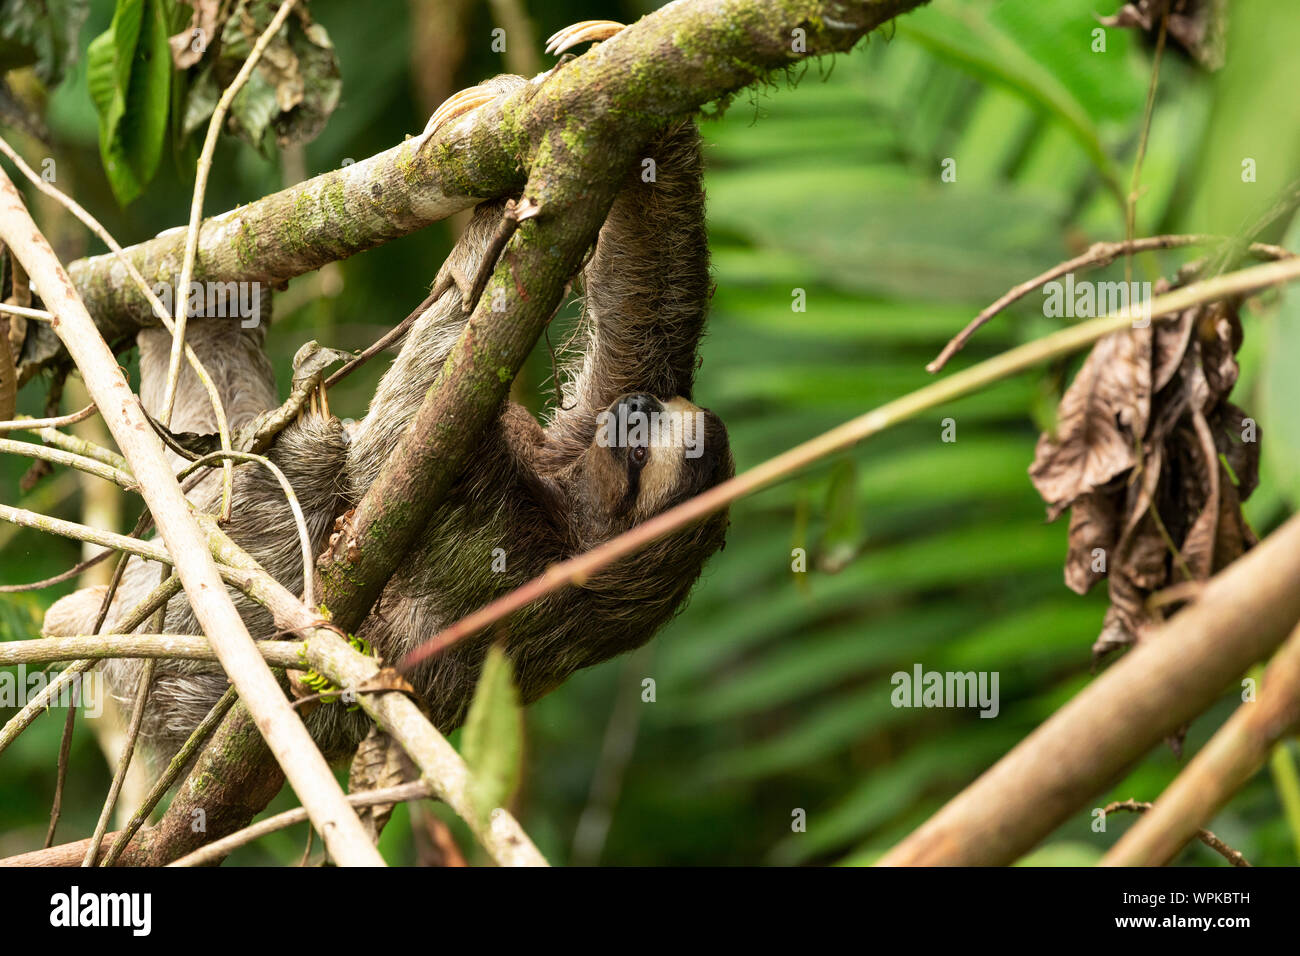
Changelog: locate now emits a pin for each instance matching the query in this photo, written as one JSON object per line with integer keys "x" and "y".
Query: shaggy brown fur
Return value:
{"x": 531, "y": 496}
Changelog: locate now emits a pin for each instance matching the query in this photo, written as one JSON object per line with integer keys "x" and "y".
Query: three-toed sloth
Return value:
{"x": 530, "y": 496}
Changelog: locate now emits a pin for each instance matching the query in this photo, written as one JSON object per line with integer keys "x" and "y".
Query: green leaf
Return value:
{"x": 843, "y": 534}
{"x": 128, "y": 69}
{"x": 492, "y": 741}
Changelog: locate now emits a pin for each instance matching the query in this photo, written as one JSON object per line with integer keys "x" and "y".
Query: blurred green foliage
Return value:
{"x": 771, "y": 691}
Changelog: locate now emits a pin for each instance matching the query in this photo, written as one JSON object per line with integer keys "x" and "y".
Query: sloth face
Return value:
{"x": 649, "y": 455}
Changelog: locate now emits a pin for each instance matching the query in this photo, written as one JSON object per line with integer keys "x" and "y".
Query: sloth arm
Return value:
{"x": 646, "y": 288}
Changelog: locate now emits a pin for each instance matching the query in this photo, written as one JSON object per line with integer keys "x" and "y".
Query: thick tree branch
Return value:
{"x": 577, "y": 133}
{"x": 395, "y": 713}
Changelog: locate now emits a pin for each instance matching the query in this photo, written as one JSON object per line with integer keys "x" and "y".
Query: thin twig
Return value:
{"x": 22, "y": 423}
{"x": 59, "y": 578}
{"x": 143, "y": 687}
{"x": 57, "y": 456}
{"x": 219, "y": 849}
{"x": 299, "y": 520}
{"x": 93, "y": 224}
{"x": 40, "y": 315}
{"x": 389, "y": 338}
{"x": 513, "y": 214}
{"x": 156, "y": 598}
{"x": 80, "y": 532}
{"x": 1130, "y": 204}
{"x": 61, "y": 776}
{"x": 128, "y": 751}
{"x": 179, "y": 647}
{"x": 196, "y": 205}
{"x": 69, "y": 725}
{"x": 82, "y": 446}
{"x": 1098, "y": 254}
{"x": 1209, "y": 839}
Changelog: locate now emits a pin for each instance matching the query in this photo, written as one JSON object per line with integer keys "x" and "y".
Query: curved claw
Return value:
{"x": 586, "y": 31}
{"x": 466, "y": 101}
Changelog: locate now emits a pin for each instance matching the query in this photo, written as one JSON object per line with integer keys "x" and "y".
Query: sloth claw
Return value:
{"x": 457, "y": 105}
{"x": 470, "y": 99}
{"x": 586, "y": 31}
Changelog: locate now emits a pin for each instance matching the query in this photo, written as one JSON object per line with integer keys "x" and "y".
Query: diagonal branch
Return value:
{"x": 108, "y": 387}
{"x": 576, "y": 144}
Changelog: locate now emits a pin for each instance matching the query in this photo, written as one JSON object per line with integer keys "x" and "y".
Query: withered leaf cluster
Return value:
{"x": 1197, "y": 27}
{"x": 1153, "y": 463}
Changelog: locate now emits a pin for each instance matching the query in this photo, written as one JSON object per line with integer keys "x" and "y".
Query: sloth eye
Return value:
{"x": 638, "y": 455}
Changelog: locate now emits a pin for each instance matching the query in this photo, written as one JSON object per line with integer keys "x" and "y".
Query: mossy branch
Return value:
{"x": 577, "y": 133}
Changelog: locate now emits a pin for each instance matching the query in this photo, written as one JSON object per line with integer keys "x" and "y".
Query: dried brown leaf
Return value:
{"x": 379, "y": 763}
{"x": 1101, "y": 416}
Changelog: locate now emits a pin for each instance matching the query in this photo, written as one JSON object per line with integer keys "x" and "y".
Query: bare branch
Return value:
{"x": 1235, "y": 857}
{"x": 284, "y": 731}
{"x": 57, "y": 456}
{"x": 181, "y": 647}
{"x": 1099, "y": 254}
{"x": 219, "y": 849}
{"x": 196, "y": 206}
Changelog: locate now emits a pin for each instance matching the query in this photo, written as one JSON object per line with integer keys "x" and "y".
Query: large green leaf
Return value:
{"x": 129, "y": 76}
{"x": 492, "y": 741}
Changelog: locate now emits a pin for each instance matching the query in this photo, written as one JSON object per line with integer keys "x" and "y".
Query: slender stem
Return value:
{"x": 300, "y": 522}
{"x": 71, "y": 529}
{"x": 23, "y": 423}
{"x": 81, "y": 446}
{"x": 1098, "y": 254}
{"x": 181, "y": 647}
{"x": 1286, "y": 781}
{"x": 57, "y": 456}
{"x": 219, "y": 849}
{"x": 133, "y": 273}
{"x": 155, "y": 599}
{"x": 1234, "y": 857}
{"x": 196, "y": 204}
{"x": 1064, "y": 342}
{"x": 40, "y": 315}
{"x": 1130, "y": 205}
{"x": 123, "y": 763}
{"x": 132, "y": 736}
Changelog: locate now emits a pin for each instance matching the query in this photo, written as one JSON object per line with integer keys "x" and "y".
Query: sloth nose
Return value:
{"x": 640, "y": 402}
